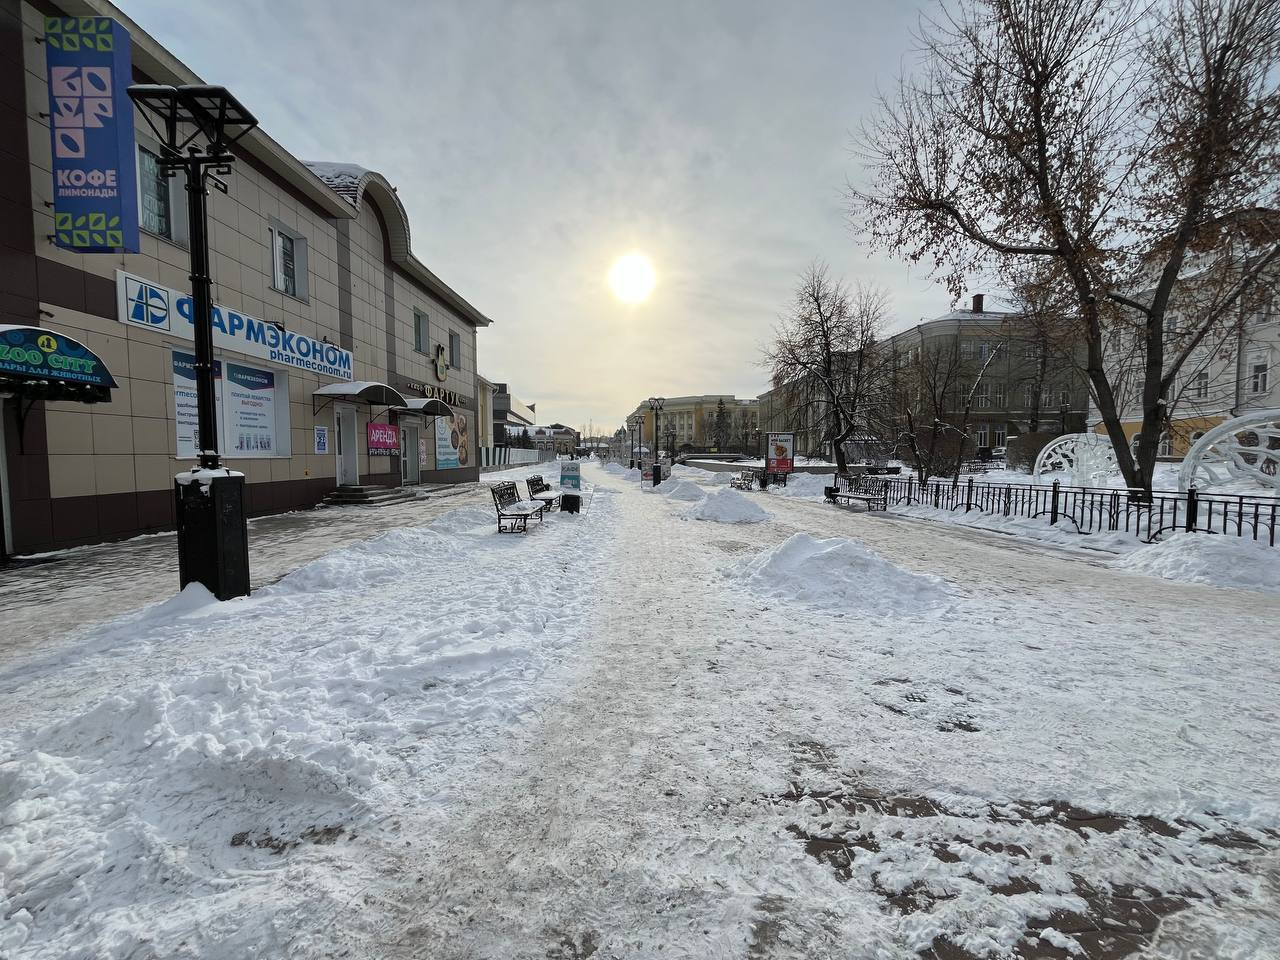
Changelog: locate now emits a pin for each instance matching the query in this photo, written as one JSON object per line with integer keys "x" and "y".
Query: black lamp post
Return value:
{"x": 196, "y": 126}
{"x": 655, "y": 406}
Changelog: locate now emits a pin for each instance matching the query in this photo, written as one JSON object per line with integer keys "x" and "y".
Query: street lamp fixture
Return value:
{"x": 196, "y": 126}
{"x": 655, "y": 406}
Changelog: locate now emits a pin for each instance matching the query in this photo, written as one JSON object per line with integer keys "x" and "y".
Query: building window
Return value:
{"x": 982, "y": 397}
{"x": 997, "y": 395}
{"x": 455, "y": 350}
{"x": 1258, "y": 378}
{"x": 284, "y": 266}
{"x": 982, "y": 434}
{"x": 1028, "y": 396}
{"x": 421, "y": 342}
{"x": 966, "y": 348}
{"x": 998, "y": 435}
{"x": 288, "y": 260}
{"x": 1064, "y": 398}
{"x": 1200, "y": 385}
{"x": 158, "y": 195}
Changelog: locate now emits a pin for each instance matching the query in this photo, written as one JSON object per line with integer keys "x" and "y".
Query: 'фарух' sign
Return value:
{"x": 95, "y": 186}
{"x": 154, "y": 307}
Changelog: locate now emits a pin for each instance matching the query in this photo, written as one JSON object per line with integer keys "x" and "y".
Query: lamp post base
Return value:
{"x": 213, "y": 538}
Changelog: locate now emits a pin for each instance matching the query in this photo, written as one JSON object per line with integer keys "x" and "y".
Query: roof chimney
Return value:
{"x": 977, "y": 303}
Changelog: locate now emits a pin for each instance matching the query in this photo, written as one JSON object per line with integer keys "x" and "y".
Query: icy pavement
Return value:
{"x": 631, "y": 733}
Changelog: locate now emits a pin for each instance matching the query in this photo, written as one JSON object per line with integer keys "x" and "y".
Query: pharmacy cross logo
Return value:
{"x": 442, "y": 363}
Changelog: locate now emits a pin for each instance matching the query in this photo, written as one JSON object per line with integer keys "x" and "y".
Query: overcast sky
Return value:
{"x": 533, "y": 143}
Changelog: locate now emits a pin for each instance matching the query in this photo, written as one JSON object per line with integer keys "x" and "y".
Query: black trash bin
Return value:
{"x": 213, "y": 540}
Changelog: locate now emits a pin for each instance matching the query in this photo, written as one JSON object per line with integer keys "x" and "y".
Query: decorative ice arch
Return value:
{"x": 1088, "y": 459}
{"x": 1242, "y": 450}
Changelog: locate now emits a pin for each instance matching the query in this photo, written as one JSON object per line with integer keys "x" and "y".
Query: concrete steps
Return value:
{"x": 368, "y": 496}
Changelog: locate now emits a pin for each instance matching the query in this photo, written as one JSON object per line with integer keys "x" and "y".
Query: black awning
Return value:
{"x": 428, "y": 407}
{"x": 37, "y": 363}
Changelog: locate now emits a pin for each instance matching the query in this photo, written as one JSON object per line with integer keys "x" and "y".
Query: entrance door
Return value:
{"x": 409, "y": 455}
{"x": 348, "y": 445}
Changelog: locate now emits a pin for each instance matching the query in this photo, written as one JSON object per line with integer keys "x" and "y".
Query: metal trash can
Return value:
{"x": 213, "y": 539}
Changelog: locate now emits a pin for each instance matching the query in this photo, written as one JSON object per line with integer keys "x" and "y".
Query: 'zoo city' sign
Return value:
{"x": 143, "y": 303}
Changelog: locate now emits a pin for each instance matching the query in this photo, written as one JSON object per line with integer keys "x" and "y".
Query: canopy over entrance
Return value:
{"x": 358, "y": 391}
{"x": 37, "y": 363}
{"x": 428, "y": 407}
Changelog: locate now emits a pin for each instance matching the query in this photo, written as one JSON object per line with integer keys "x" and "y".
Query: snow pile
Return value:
{"x": 842, "y": 574}
{"x": 682, "y": 490}
{"x": 1220, "y": 561}
{"x": 808, "y": 486}
{"x": 205, "y": 810}
{"x": 729, "y": 506}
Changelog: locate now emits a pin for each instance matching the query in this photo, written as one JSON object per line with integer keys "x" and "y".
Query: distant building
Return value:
{"x": 997, "y": 362}
{"x": 555, "y": 437}
{"x": 510, "y": 415}
{"x": 1233, "y": 371}
{"x": 692, "y": 421}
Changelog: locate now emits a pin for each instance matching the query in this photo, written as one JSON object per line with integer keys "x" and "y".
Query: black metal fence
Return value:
{"x": 1147, "y": 516}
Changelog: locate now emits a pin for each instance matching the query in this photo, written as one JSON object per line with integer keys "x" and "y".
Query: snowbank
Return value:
{"x": 682, "y": 490}
{"x": 840, "y": 574}
{"x": 728, "y": 506}
{"x": 1220, "y": 561}
{"x": 808, "y": 486}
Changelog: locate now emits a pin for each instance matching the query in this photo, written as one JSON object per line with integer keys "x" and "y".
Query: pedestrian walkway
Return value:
{"x": 61, "y": 594}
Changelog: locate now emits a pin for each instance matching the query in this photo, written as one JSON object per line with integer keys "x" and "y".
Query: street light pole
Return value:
{"x": 196, "y": 126}
{"x": 655, "y": 407}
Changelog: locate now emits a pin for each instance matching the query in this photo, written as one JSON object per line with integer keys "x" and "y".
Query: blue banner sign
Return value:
{"x": 143, "y": 303}
{"x": 95, "y": 184}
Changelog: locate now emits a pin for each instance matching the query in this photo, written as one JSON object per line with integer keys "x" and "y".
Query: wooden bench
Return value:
{"x": 874, "y": 493}
{"x": 541, "y": 491}
{"x": 746, "y": 480}
{"x": 512, "y": 510}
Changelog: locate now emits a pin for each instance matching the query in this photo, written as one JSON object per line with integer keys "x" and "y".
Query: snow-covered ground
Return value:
{"x": 630, "y": 733}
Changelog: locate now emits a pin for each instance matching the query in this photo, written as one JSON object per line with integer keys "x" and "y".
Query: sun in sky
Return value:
{"x": 632, "y": 278}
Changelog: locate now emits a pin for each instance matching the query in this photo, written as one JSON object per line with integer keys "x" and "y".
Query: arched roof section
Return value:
{"x": 355, "y": 184}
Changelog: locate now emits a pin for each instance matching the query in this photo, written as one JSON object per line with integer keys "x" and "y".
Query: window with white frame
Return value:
{"x": 288, "y": 260}
{"x": 1028, "y": 396}
{"x": 1200, "y": 385}
{"x": 1259, "y": 376}
{"x": 997, "y": 394}
{"x": 982, "y": 396}
{"x": 966, "y": 347}
{"x": 982, "y": 434}
{"x": 998, "y": 435}
{"x": 1064, "y": 398}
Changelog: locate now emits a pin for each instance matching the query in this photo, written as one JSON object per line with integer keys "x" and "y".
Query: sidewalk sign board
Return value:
{"x": 570, "y": 475}
{"x": 780, "y": 453}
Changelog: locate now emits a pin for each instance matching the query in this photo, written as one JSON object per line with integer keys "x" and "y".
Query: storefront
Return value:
{"x": 37, "y": 365}
{"x": 315, "y": 286}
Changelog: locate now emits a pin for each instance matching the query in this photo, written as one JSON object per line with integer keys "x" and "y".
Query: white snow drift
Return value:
{"x": 729, "y": 506}
{"x": 1222, "y": 561}
{"x": 840, "y": 574}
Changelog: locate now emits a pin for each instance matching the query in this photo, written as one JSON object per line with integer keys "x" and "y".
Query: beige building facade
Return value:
{"x": 314, "y": 260}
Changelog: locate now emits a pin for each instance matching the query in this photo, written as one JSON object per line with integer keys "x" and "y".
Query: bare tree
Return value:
{"x": 1091, "y": 143}
{"x": 825, "y": 357}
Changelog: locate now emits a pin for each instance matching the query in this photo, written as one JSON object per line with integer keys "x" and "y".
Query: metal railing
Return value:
{"x": 1090, "y": 510}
